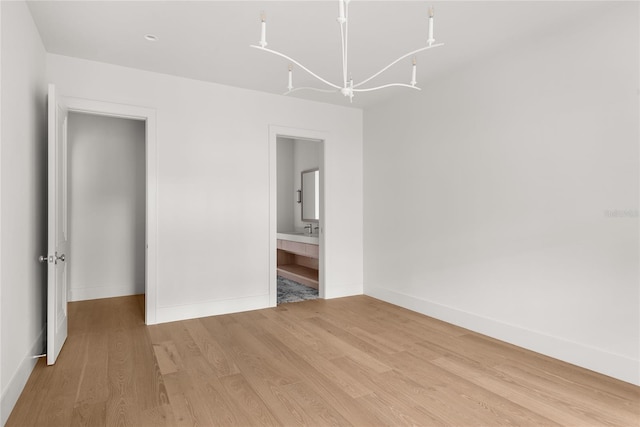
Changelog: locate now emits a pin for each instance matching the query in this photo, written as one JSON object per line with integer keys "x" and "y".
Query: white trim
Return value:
{"x": 211, "y": 308}
{"x": 340, "y": 290}
{"x": 294, "y": 133}
{"x": 19, "y": 380}
{"x": 595, "y": 359}
{"x": 105, "y": 291}
{"x": 89, "y": 106}
{"x": 638, "y": 362}
{"x": 3, "y": 412}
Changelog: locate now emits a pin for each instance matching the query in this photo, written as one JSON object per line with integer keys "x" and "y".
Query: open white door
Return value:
{"x": 57, "y": 244}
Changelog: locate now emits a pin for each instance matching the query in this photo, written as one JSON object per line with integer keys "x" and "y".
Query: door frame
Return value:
{"x": 148, "y": 115}
{"x": 301, "y": 134}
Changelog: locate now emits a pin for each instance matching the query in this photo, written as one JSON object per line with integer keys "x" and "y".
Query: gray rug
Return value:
{"x": 290, "y": 291}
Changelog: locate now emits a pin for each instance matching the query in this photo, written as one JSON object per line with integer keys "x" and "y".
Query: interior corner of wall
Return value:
{"x": 18, "y": 381}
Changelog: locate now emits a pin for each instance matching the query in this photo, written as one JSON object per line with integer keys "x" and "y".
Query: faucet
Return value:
{"x": 310, "y": 227}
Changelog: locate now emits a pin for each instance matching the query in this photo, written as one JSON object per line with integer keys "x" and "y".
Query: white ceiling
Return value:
{"x": 209, "y": 40}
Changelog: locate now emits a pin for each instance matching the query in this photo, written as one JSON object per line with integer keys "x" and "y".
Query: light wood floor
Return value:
{"x": 350, "y": 361}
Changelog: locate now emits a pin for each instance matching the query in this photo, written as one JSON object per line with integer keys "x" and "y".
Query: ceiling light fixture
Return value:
{"x": 347, "y": 88}
{"x": 151, "y": 37}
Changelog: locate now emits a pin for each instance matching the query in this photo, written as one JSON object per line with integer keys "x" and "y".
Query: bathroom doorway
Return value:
{"x": 297, "y": 226}
{"x": 298, "y": 213}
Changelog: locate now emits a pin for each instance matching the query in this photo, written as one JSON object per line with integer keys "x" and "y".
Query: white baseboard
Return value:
{"x": 233, "y": 305}
{"x": 211, "y": 308}
{"x": 19, "y": 379}
{"x": 98, "y": 292}
{"x": 339, "y": 290}
{"x": 610, "y": 364}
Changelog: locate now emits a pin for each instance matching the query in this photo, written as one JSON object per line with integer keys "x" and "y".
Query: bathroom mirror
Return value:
{"x": 311, "y": 195}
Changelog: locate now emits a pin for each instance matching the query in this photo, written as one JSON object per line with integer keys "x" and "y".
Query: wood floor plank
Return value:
{"x": 394, "y": 412}
{"x": 516, "y": 392}
{"x": 93, "y": 387}
{"x": 349, "y": 361}
{"x": 485, "y": 406}
{"x": 89, "y": 414}
{"x": 312, "y": 407}
{"x": 425, "y": 395}
{"x": 241, "y": 391}
{"x": 290, "y": 338}
{"x": 197, "y": 400}
{"x": 224, "y": 409}
{"x": 160, "y": 416}
{"x": 186, "y": 404}
{"x": 169, "y": 360}
{"x": 58, "y": 410}
{"x": 210, "y": 349}
{"x": 121, "y": 374}
{"x": 589, "y": 406}
{"x": 348, "y": 343}
{"x": 320, "y": 374}
{"x": 586, "y": 388}
{"x": 260, "y": 381}
{"x": 330, "y": 385}
{"x": 457, "y": 348}
{"x": 410, "y": 320}
{"x": 255, "y": 357}
{"x": 150, "y": 391}
{"x": 567, "y": 373}
{"x": 305, "y": 335}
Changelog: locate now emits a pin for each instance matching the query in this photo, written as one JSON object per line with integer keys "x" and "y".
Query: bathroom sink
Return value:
{"x": 299, "y": 236}
{"x": 298, "y": 233}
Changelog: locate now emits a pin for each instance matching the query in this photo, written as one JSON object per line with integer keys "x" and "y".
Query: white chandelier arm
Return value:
{"x": 344, "y": 67}
{"x": 396, "y": 61}
{"x": 310, "y": 88}
{"x": 297, "y": 63}
{"x": 345, "y": 60}
{"x": 385, "y": 86}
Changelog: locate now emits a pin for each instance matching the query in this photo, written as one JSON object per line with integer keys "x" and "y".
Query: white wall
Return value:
{"x": 490, "y": 197}
{"x": 106, "y": 206}
{"x": 23, "y": 169}
{"x": 286, "y": 191}
{"x": 213, "y": 183}
{"x": 306, "y": 156}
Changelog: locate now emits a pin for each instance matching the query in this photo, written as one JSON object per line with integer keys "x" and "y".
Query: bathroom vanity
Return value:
{"x": 298, "y": 255}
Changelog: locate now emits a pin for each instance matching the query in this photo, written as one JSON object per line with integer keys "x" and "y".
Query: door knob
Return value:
{"x": 54, "y": 258}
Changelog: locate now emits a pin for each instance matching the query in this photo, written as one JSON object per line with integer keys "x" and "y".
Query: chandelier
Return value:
{"x": 347, "y": 87}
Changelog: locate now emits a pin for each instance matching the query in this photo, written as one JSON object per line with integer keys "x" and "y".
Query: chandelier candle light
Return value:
{"x": 347, "y": 88}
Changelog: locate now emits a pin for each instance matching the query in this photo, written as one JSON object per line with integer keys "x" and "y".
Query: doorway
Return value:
{"x": 106, "y": 204}
{"x": 297, "y": 239}
{"x": 298, "y": 212}
{"x": 146, "y": 224}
